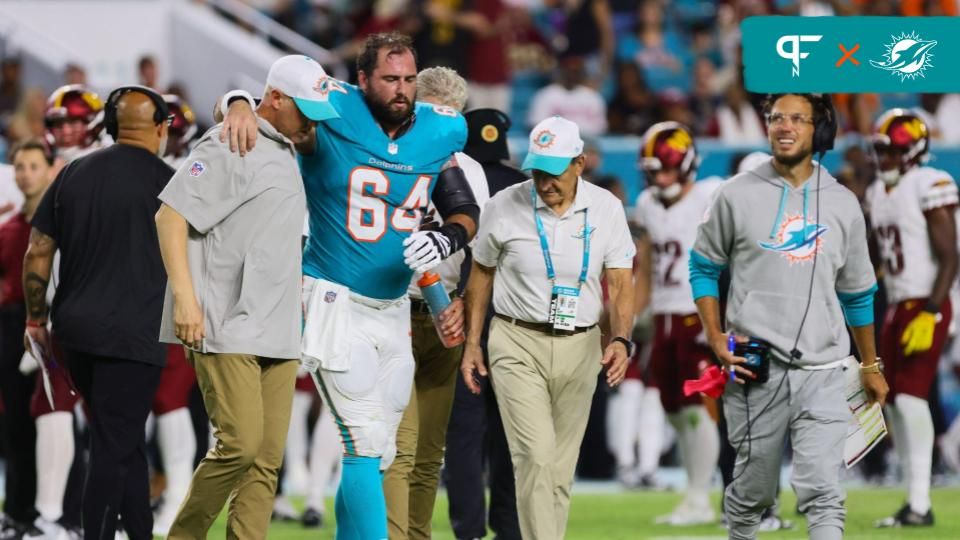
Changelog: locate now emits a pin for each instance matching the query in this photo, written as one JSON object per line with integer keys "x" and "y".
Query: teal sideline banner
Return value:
{"x": 851, "y": 54}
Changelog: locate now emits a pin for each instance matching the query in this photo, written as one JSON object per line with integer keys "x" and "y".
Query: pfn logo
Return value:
{"x": 794, "y": 54}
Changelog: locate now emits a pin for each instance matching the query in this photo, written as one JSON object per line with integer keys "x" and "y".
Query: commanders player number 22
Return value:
{"x": 666, "y": 254}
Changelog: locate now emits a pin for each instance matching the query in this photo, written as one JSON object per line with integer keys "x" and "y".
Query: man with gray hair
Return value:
{"x": 410, "y": 483}
{"x": 229, "y": 233}
{"x": 442, "y": 86}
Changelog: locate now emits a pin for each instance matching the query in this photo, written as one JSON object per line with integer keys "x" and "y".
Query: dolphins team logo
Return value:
{"x": 797, "y": 241}
{"x": 907, "y": 56}
{"x": 583, "y": 232}
{"x": 326, "y": 85}
{"x": 544, "y": 139}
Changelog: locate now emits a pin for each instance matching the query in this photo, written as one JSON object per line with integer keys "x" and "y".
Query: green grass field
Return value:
{"x": 629, "y": 516}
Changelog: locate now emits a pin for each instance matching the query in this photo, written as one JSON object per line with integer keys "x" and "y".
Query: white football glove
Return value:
{"x": 425, "y": 250}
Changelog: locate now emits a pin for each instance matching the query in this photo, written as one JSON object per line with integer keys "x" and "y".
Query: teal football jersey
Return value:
{"x": 363, "y": 190}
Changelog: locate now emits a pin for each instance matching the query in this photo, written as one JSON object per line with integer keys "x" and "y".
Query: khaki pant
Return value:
{"x": 544, "y": 387}
{"x": 248, "y": 399}
{"x": 410, "y": 484}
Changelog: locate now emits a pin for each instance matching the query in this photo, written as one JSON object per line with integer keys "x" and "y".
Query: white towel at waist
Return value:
{"x": 326, "y": 330}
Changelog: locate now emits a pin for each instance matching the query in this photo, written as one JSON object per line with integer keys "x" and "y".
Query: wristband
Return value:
{"x": 457, "y": 234}
{"x": 626, "y": 343}
{"x": 234, "y": 95}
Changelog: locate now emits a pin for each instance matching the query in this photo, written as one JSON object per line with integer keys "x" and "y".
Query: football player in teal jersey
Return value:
{"x": 368, "y": 176}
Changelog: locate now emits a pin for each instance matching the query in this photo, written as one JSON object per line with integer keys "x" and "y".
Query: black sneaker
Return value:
{"x": 14, "y": 530}
{"x": 31, "y": 532}
{"x": 906, "y": 517}
{"x": 650, "y": 482}
{"x": 311, "y": 519}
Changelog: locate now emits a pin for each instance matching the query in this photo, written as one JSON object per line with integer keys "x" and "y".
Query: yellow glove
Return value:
{"x": 918, "y": 336}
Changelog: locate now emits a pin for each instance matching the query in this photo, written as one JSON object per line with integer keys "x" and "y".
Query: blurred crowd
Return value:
{"x": 613, "y": 66}
{"x": 28, "y": 113}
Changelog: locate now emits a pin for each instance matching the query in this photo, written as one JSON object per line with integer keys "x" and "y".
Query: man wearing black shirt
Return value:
{"x": 99, "y": 213}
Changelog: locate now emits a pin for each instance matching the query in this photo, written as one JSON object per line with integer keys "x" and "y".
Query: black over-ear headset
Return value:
{"x": 160, "y": 113}
{"x": 824, "y": 124}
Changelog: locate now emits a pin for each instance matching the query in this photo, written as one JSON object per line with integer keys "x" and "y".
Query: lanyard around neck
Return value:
{"x": 545, "y": 246}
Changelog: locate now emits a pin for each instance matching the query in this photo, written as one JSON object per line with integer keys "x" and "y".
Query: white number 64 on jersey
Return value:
{"x": 367, "y": 213}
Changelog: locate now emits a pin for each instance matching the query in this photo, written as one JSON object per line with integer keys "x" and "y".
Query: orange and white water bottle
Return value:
{"x": 437, "y": 298}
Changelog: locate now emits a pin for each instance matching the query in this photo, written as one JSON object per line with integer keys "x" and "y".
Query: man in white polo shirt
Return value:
{"x": 545, "y": 243}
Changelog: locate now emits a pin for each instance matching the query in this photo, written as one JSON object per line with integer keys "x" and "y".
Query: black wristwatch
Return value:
{"x": 626, "y": 343}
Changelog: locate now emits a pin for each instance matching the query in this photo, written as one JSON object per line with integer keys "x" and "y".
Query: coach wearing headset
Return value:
{"x": 795, "y": 242}
{"x": 99, "y": 213}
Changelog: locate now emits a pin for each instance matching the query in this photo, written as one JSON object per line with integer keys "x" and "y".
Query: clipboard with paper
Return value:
{"x": 867, "y": 426}
{"x": 43, "y": 356}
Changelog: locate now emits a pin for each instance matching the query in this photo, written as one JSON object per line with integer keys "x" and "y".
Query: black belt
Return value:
{"x": 419, "y": 306}
{"x": 546, "y": 328}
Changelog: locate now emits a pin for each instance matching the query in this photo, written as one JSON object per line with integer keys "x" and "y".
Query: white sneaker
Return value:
{"x": 774, "y": 523}
{"x": 55, "y": 531}
{"x": 688, "y": 514}
{"x": 43, "y": 530}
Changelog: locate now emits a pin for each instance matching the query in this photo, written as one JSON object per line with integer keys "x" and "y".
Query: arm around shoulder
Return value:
{"x": 236, "y": 111}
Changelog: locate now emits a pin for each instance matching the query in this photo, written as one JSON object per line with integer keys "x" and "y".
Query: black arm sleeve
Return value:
{"x": 453, "y": 195}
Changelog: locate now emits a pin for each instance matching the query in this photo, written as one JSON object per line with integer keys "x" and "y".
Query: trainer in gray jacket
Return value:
{"x": 796, "y": 245}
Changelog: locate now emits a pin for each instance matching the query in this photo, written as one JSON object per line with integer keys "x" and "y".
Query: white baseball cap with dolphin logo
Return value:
{"x": 554, "y": 142}
{"x": 304, "y": 80}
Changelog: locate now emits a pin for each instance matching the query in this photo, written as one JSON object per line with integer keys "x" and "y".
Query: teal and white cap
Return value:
{"x": 553, "y": 143}
{"x": 305, "y": 81}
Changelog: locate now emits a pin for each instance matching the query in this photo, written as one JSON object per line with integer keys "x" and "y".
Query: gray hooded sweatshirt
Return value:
{"x": 772, "y": 237}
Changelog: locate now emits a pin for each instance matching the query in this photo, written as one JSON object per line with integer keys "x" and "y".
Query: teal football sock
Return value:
{"x": 360, "y": 506}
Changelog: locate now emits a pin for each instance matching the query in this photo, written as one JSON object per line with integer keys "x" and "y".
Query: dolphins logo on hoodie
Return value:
{"x": 795, "y": 240}
{"x": 907, "y": 56}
